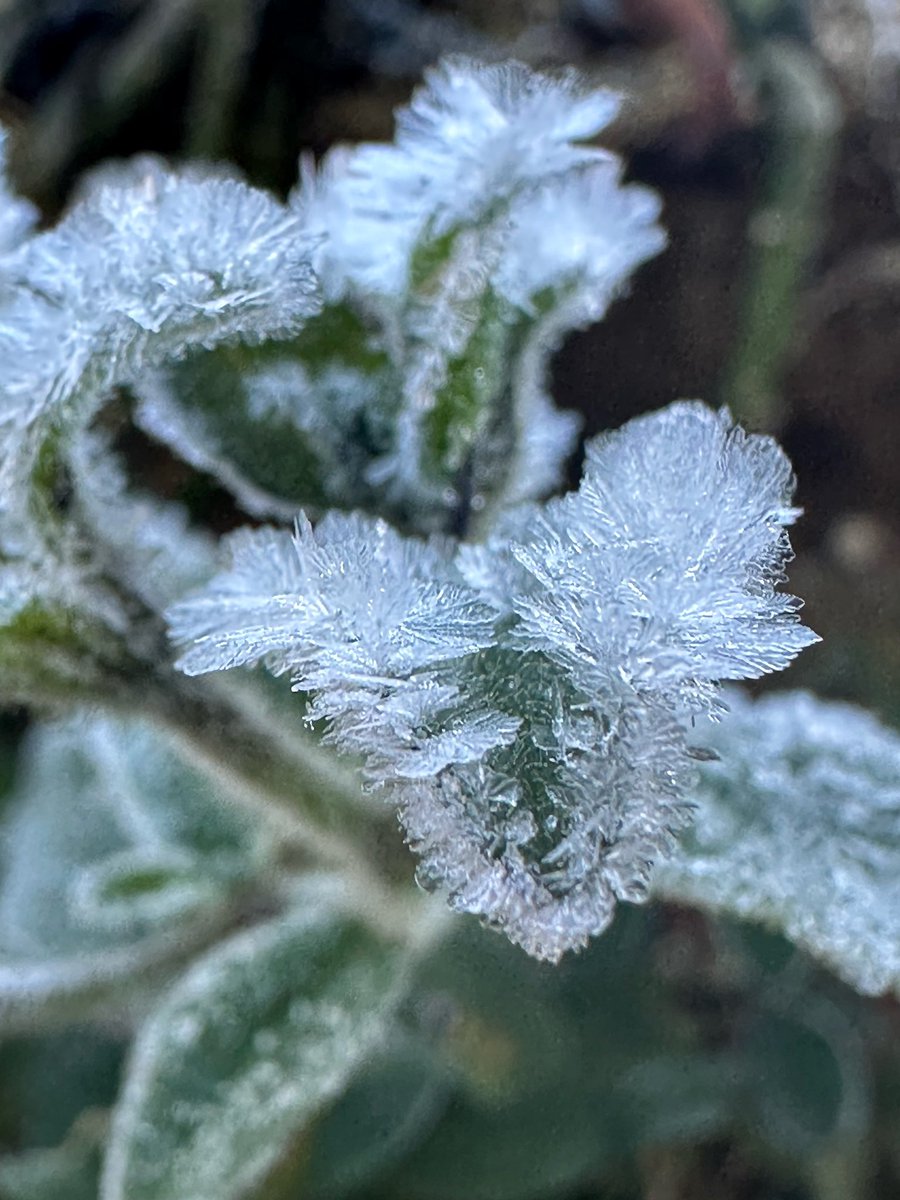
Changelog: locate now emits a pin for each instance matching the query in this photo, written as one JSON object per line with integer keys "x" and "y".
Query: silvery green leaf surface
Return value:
{"x": 117, "y": 859}
{"x": 798, "y": 827}
{"x": 255, "y": 1040}
{"x": 524, "y": 702}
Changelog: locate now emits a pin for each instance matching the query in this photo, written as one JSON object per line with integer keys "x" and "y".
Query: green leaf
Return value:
{"x": 245, "y": 1050}
{"x": 539, "y": 1058}
{"x": 685, "y": 1097}
{"x": 279, "y": 433}
{"x": 543, "y": 1145}
{"x": 118, "y": 860}
{"x": 798, "y": 827}
{"x": 386, "y": 1111}
{"x": 795, "y": 1086}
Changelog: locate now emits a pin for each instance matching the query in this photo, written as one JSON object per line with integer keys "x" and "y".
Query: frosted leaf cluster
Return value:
{"x": 798, "y": 827}
{"x": 524, "y": 702}
{"x": 379, "y": 343}
{"x": 147, "y": 264}
{"x": 451, "y": 262}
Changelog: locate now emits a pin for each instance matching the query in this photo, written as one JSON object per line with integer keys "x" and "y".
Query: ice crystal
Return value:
{"x": 146, "y": 271}
{"x": 798, "y": 826}
{"x": 474, "y": 137}
{"x": 523, "y": 702}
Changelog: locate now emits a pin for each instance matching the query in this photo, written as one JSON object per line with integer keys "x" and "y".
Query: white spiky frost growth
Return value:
{"x": 523, "y": 702}
{"x": 483, "y": 233}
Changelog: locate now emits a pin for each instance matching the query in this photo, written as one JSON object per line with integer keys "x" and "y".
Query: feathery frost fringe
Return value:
{"x": 524, "y": 702}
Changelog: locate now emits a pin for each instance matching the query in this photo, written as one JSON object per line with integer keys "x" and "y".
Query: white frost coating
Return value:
{"x": 135, "y": 274}
{"x": 798, "y": 827}
{"x": 350, "y": 604}
{"x": 674, "y": 540}
{"x": 475, "y": 136}
{"x": 524, "y": 706}
{"x": 583, "y": 236}
{"x": 140, "y": 540}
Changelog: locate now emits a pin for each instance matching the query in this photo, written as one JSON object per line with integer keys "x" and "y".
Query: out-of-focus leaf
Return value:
{"x": 384, "y": 1113}
{"x": 117, "y": 860}
{"x": 798, "y": 826}
{"x": 245, "y": 1050}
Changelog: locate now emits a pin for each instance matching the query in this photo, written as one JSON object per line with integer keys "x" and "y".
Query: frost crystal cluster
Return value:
{"x": 523, "y": 701}
{"x": 516, "y": 676}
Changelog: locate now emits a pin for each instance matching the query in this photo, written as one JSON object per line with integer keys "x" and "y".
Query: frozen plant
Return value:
{"x": 530, "y": 683}
{"x": 523, "y": 701}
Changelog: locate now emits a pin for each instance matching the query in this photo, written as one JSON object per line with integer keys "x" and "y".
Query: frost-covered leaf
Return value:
{"x": 144, "y": 543}
{"x": 575, "y": 242}
{"x": 276, "y": 434}
{"x": 116, "y": 860}
{"x": 798, "y": 826}
{"x": 472, "y": 139}
{"x": 668, "y": 556}
{"x": 525, "y": 704}
{"x": 458, "y": 240}
{"x": 135, "y": 274}
{"x": 350, "y": 604}
{"x": 248, "y": 1046}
